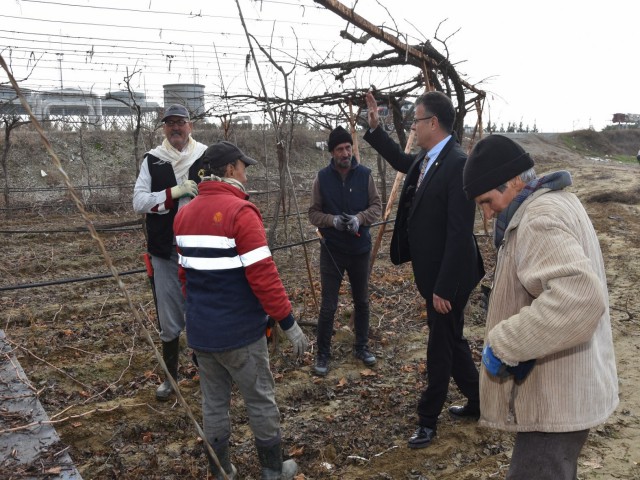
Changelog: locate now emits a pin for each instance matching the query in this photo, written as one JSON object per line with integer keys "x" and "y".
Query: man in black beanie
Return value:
{"x": 337, "y": 136}
{"x": 344, "y": 202}
{"x": 548, "y": 366}
{"x": 434, "y": 229}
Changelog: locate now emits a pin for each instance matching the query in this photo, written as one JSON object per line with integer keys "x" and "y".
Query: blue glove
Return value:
{"x": 521, "y": 370}
{"x": 497, "y": 368}
{"x": 493, "y": 364}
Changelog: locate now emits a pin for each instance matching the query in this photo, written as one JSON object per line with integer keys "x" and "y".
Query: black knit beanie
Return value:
{"x": 494, "y": 161}
{"x": 337, "y": 136}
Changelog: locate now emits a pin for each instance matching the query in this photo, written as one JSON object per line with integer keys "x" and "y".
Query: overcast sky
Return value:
{"x": 562, "y": 65}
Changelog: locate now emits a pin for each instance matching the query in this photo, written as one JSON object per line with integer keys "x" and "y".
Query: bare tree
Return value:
{"x": 11, "y": 117}
{"x": 283, "y": 119}
{"x": 136, "y": 117}
{"x": 435, "y": 68}
{"x": 10, "y": 122}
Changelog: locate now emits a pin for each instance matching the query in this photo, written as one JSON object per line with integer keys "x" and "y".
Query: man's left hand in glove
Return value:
{"x": 298, "y": 339}
{"x": 498, "y": 368}
{"x": 352, "y": 222}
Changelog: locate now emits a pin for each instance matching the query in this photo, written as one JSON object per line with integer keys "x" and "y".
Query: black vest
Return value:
{"x": 160, "y": 227}
{"x": 350, "y": 196}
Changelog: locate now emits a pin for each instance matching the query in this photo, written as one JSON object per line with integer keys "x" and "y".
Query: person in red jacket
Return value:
{"x": 232, "y": 286}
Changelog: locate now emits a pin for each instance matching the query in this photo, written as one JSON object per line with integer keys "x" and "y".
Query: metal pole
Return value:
{"x": 60, "y": 63}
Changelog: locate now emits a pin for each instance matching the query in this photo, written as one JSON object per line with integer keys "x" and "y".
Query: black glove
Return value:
{"x": 352, "y": 223}
{"x": 269, "y": 330}
{"x": 521, "y": 370}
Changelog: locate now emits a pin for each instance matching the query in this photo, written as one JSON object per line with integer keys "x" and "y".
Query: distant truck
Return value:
{"x": 626, "y": 118}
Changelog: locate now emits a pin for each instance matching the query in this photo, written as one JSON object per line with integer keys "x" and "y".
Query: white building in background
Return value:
{"x": 67, "y": 102}
{"x": 75, "y": 102}
{"x": 191, "y": 95}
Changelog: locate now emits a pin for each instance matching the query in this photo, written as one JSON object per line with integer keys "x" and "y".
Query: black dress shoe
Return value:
{"x": 422, "y": 437}
{"x": 465, "y": 412}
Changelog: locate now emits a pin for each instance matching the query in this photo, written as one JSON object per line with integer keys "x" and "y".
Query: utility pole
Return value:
{"x": 59, "y": 55}
{"x": 193, "y": 61}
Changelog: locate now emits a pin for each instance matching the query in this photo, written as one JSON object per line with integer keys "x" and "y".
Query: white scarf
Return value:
{"x": 181, "y": 161}
{"x": 229, "y": 180}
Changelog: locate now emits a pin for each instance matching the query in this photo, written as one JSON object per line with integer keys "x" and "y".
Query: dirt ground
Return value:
{"x": 96, "y": 375}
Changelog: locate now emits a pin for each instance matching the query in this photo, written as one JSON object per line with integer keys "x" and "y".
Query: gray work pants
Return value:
{"x": 169, "y": 296}
{"x": 248, "y": 368}
{"x": 546, "y": 456}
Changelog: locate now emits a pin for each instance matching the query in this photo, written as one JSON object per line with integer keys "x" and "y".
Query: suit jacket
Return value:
{"x": 434, "y": 223}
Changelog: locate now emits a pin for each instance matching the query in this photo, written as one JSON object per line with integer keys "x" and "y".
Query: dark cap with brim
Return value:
{"x": 224, "y": 152}
{"x": 494, "y": 161}
{"x": 176, "y": 110}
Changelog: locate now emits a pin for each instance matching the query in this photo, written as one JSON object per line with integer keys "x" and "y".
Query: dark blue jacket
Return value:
{"x": 349, "y": 196}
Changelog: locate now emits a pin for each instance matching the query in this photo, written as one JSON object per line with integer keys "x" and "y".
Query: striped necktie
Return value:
{"x": 423, "y": 170}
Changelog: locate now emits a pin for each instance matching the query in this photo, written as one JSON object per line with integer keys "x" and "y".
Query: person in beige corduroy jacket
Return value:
{"x": 548, "y": 367}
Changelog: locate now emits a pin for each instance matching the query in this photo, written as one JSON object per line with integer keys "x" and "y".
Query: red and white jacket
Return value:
{"x": 229, "y": 278}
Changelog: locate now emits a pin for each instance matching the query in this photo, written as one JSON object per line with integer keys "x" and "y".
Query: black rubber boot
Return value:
{"x": 222, "y": 452}
{"x": 273, "y": 468}
{"x": 170, "y": 351}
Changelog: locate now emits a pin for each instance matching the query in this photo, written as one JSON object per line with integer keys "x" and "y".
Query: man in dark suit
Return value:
{"x": 434, "y": 229}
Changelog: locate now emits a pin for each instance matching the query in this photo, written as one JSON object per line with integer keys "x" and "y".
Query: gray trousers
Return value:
{"x": 248, "y": 368}
{"x": 546, "y": 456}
{"x": 169, "y": 296}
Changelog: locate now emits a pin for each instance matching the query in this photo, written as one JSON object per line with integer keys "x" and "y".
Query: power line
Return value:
{"x": 305, "y": 25}
{"x": 135, "y": 47}
{"x": 156, "y": 60}
{"x": 155, "y": 29}
{"x": 168, "y": 53}
{"x": 190, "y": 15}
{"x": 167, "y": 46}
{"x": 89, "y": 56}
{"x": 83, "y": 65}
{"x": 102, "y": 25}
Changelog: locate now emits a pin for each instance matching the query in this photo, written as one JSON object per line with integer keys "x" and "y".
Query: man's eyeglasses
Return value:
{"x": 416, "y": 120}
{"x": 171, "y": 123}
